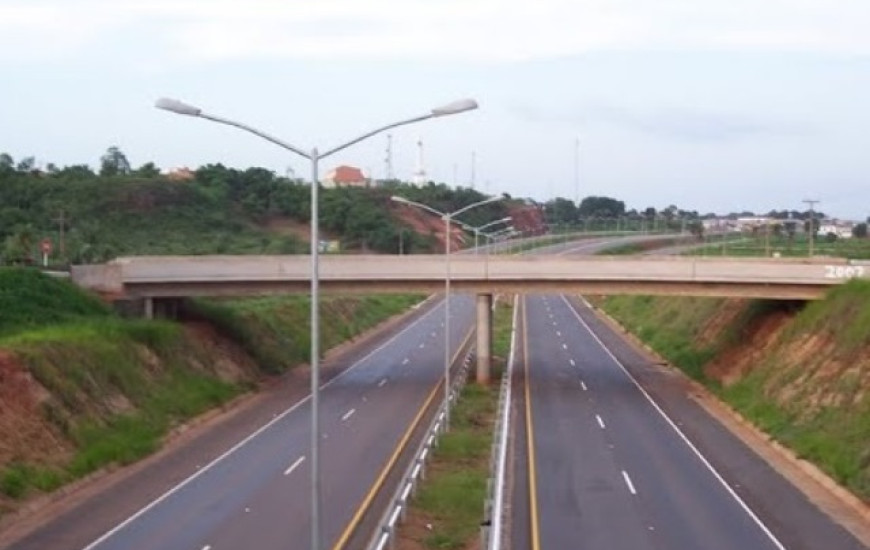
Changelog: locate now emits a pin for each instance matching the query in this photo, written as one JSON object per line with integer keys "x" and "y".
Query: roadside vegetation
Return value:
{"x": 449, "y": 506}
{"x": 83, "y": 389}
{"x": 120, "y": 210}
{"x": 274, "y": 330}
{"x": 800, "y": 373}
{"x": 782, "y": 245}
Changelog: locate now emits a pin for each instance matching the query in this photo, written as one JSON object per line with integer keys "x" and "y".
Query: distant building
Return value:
{"x": 842, "y": 229}
{"x": 345, "y": 176}
{"x": 180, "y": 174}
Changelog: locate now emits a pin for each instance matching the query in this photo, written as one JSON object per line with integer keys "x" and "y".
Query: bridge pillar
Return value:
{"x": 484, "y": 337}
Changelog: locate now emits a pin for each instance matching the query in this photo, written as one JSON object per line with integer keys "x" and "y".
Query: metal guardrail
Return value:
{"x": 493, "y": 525}
{"x": 385, "y": 534}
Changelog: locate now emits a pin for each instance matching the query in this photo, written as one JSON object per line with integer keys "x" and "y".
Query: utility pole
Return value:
{"x": 61, "y": 220}
{"x": 577, "y": 171}
{"x": 388, "y": 160}
{"x": 812, "y": 227}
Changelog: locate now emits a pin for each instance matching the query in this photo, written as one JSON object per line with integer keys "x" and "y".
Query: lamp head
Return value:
{"x": 455, "y": 107}
{"x": 178, "y": 107}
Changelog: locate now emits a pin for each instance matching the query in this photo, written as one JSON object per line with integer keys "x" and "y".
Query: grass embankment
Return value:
{"x": 801, "y": 375}
{"x": 449, "y": 507}
{"x": 82, "y": 389}
{"x": 274, "y": 330}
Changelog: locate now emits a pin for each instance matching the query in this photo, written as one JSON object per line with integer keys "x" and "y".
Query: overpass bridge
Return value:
{"x": 162, "y": 280}
{"x": 181, "y": 276}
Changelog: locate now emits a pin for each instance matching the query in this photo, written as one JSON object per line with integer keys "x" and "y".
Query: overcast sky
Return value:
{"x": 714, "y": 105}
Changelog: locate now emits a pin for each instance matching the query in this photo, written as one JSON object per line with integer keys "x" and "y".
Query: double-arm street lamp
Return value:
{"x": 314, "y": 155}
{"x": 479, "y": 230}
{"x": 447, "y": 217}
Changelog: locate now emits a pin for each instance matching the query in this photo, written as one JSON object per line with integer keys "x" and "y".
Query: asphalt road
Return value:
{"x": 612, "y": 470}
{"x": 256, "y": 494}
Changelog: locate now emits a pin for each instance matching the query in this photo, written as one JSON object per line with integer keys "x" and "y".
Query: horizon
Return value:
{"x": 701, "y": 106}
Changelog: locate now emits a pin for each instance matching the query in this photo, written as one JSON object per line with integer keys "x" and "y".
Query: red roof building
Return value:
{"x": 345, "y": 176}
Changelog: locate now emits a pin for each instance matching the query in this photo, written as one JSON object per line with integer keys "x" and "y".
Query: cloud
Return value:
{"x": 695, "y": 126}
{"x": 677, "y": 124}
{"x": 482, "y": 30}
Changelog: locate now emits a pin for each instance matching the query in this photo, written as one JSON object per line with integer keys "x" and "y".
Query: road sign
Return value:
{"x": 45, "y": 246}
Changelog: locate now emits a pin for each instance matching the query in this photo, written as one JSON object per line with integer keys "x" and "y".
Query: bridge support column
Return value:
{"x": 484, "y": 337}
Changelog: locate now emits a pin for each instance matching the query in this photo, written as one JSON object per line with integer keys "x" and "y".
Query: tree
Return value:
{"x": 560, "y": 211}
{"x": 76, "y": 172}
{"x": 7, "y": 165}
{"x": 147, "y": 170}
{"x": 26, "y": 165}
{"x": 601, "y": 207}
{"x": 860, "y": 231}
{"x": 114, "y": 163}
{"x": 790, "y": 227}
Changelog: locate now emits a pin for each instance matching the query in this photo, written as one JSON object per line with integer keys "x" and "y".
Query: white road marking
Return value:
{"x": 382, "y": 382}
{"x": 422, "y": 345}
{"x": 434, "y": 334}
{"x": 573, "y": 364}
{"x": 405, "y": 362}
{"x": 583, "y": 385}
{"x": 295, "y": 465}
{"x": 600, "y": 422}
{"x": 680, "y": 433}
{"x": 628, "y": 482}
{"x": 111, "y": 532}
{"x": 206, "y": 547}
{"x": 559, "y": 333}
{"x": 564, "y": 346}
{"x": 348, "y": 414}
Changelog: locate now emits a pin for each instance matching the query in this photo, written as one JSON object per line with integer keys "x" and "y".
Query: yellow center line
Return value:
{"x": 391, "y": 462}
{"x": 530, "y": 438}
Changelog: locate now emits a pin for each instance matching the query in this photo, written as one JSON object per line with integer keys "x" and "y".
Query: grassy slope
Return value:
{"x": 274, "y": 330}
{"x": 806, "y": 384}
{"x": 83, "y": 388}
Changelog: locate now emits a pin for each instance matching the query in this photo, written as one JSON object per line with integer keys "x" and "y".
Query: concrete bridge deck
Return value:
{"x": 178, "y": 276}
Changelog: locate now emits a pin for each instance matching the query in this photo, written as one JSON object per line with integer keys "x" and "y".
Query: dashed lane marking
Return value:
{"x": 292, "y": 467}
{"x": 628, "y": 482}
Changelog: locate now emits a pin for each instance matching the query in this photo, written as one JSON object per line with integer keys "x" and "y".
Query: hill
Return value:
{"x": 800, "y": 372}
{"x": 92, "y": 218}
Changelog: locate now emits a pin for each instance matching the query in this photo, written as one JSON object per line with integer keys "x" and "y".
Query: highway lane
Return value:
{"x": 257, "y": 494}
{"x": 611, "y": 471}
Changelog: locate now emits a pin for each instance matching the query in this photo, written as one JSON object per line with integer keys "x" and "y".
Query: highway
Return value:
{"x": 599, "y": 464}
{"x": 256, "y": 494}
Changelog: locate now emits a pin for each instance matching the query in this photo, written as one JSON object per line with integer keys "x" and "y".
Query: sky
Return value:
{"x": 716, "y": 106}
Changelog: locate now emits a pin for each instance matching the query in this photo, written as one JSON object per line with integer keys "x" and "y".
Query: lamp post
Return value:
{"x": 479, "y": 230}
{"x": 447, "y": 217}
{"x": 314, "y": 156}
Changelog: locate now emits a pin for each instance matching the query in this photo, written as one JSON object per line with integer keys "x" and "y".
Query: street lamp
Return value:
{"x": 479, "y": 230}
{"x": 447, "y": 217}
{"x": 178, "y": 107}
{"x": 501, "y": 235}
